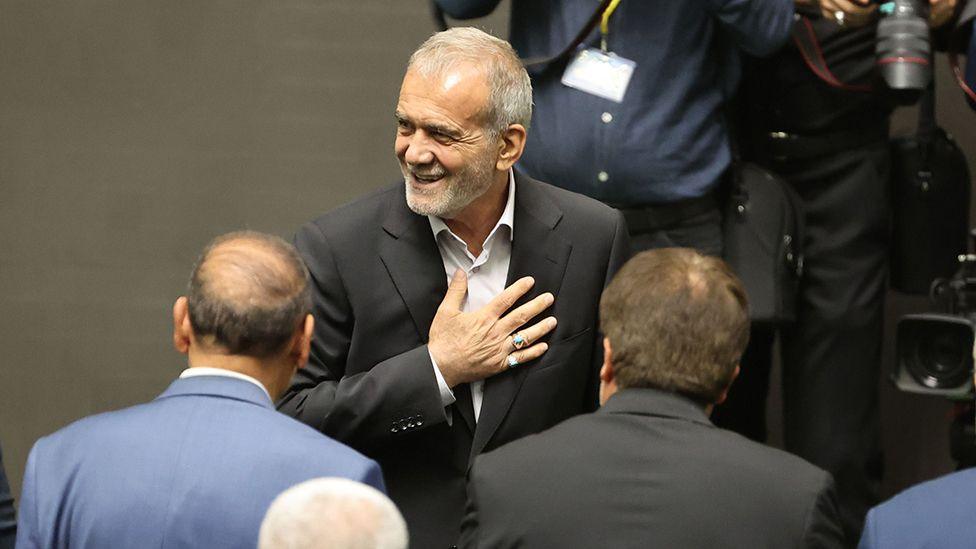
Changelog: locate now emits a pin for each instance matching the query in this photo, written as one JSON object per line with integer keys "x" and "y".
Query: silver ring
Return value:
{"x": 512, "y": 361}
{"x": 518, "y": 341}
{"x": 839, "y": 17}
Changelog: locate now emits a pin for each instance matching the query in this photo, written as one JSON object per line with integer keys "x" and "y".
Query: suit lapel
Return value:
{"x": 411, "y": 258}
{"x": 539, "y": 252}
{"x": 415, "y": 265}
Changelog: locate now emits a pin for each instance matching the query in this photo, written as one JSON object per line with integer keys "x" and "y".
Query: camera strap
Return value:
{"x": 808, "y": 44}
{"x": 963, "y": 38}
{"x": 603, "y": 8}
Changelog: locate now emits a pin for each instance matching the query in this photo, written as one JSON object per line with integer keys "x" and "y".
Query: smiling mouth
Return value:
{"x": 427, "y": 178}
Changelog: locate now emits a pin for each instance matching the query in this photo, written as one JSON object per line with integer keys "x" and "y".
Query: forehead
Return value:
{"x": 458, "y": 94}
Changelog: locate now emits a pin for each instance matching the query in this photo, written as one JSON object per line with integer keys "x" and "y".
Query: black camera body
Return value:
{"x": 935, "y": 350}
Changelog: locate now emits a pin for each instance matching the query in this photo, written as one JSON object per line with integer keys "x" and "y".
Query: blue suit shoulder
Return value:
{"x": 937, "y": 513}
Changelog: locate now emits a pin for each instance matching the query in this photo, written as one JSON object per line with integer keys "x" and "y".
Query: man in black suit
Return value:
{"x": 423, "y": 376}
{"x": 649, "y": 469}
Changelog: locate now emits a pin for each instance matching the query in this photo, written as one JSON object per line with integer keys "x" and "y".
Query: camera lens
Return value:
{"x": 939, "y": 354}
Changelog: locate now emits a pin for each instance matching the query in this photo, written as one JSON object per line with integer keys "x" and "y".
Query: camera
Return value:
{"x": 935, "y": 350}
{"x": 903, "y": 51}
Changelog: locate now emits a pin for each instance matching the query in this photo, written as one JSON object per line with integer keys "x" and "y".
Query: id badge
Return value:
{"x": 602, "y": 74}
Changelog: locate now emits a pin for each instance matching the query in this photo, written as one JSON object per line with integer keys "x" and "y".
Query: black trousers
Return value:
{"x": 702, "y": 231}
{"x": 831, "y": 354}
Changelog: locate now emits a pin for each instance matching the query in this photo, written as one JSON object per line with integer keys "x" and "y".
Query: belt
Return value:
{"x": 654, "y": 217}
{"x": 776, "y": 145}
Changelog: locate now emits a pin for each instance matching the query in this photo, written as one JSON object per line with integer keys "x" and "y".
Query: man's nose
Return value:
{"x": 419, "y": 149}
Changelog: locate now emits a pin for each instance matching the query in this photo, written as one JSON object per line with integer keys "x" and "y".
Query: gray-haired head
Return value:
{"x": 333, "y": 513}
{"x": 510, "y": 90}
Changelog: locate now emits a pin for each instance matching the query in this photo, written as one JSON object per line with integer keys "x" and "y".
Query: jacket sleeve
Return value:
{"x": 758, "y": 27}
{"x": 823, "y": 523}
{"x": 619, "y": 254}
{"x": 467, "y": 9}
{"x": 377, "y": 404}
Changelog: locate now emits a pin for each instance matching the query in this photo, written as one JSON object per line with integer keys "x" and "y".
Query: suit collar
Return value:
{"x": 218, "y": 386}
{"x": 652, "y": 402}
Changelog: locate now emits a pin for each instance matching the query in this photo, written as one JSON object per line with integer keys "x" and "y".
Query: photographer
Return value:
{"x": 659, "y": 150}
{"x": 827, "y": 135}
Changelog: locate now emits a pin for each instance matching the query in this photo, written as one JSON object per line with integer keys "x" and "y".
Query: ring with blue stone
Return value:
{"x": 519, "y": 341}
{"x": 512, "y": 361}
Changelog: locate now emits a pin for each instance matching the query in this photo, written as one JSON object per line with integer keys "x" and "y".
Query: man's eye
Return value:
{"x": 403, "y": 127}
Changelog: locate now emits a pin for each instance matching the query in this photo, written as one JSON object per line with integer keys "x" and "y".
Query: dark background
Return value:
{"x": 133, "y": 132}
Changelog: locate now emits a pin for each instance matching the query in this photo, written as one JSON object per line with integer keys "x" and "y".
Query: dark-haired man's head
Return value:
{"x": 674, "y": 320}
{"x": 247, "y": 309}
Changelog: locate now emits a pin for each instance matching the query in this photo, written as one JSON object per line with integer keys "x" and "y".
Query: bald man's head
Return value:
{"x": 248, "y": 294}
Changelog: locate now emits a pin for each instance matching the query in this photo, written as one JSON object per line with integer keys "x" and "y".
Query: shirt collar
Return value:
{"x": 205, "y": 371}
{"x": 507, "y": 218}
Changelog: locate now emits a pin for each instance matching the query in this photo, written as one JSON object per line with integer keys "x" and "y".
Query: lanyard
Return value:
{"x": 605, "y": 24}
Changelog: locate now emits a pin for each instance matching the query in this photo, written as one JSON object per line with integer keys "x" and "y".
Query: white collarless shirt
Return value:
{"x": 487, "y": 275}
{"x": 205, "y": 371}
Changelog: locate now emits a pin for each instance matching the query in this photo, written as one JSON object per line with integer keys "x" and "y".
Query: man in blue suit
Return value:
{"x": 198, "y": 466}
{"x": 938, "y": 513}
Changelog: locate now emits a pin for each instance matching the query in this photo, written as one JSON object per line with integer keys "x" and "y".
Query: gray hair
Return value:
{"x": 510, "y": 90}
{"x": 334, "y": 513}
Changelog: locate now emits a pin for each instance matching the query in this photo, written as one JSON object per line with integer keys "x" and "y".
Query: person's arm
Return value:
{"x": 823, "y": 525}
{"x": 8, "y": 522}
{"x": 619, "y": 254}
{"x": 758, "y": 27}
{"x": 467, "y": 9}
{"x": 365, "y": 409}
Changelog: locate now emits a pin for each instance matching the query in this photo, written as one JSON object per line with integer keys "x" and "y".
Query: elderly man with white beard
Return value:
{"x": 457, "y": 309}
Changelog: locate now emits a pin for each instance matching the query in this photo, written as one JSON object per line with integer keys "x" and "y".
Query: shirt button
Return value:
{"x": 606, "y": 117}
{"x": 603, "y": 177}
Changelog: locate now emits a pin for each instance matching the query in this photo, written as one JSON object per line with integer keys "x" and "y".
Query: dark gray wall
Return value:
{"x": 133, "y": 132}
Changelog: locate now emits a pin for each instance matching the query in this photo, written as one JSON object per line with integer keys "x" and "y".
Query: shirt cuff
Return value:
{"x": 447, "y": 395}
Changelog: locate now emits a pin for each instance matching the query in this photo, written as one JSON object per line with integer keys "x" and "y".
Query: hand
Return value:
{"x": 475, "y": 345}
{"x": 848, "y": 13}
{"x": 940, "y": 12}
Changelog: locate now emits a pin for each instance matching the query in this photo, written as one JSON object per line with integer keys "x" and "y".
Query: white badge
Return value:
{"x": 602, "y": 74}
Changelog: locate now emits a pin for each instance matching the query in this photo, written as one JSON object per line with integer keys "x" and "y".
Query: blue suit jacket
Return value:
{"x": 197, "y": 467}
{"x": 936, "y": 514}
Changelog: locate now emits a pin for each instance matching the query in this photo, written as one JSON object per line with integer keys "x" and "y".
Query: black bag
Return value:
{"x": 763, "y": 239}
{"x": 930, "y": 200}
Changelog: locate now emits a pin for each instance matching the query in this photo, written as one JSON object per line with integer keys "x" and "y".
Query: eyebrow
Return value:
{"x": 430, "y": 126}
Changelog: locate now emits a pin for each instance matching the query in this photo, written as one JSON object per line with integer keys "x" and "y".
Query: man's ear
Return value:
{"x": 606, "y": 371}
{"x": 182, "y": 331}
{"x": 511, "y": 147}
{"x": 303, "y": 342}
{"x": 725, "y": 393}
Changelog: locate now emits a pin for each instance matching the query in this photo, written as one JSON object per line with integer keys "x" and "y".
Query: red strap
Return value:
{"x": 954, "y": 63}
{"x": 806, "y": 41}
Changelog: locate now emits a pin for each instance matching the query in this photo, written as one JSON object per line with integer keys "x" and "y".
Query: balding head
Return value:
{"x": 333, "y": 513}
{"x": 677, "y": 321}
{"x": 248, "y": 294}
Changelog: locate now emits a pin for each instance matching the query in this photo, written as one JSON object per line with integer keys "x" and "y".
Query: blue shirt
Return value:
{"x": 667, "y": 141}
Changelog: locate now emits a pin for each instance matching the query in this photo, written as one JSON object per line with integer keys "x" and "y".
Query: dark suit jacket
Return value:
{"x": 934, "y": 514}
{"x": 378, "y": 279}
{"x": 8, "y": 523}
{"x": 647, "y": 470}
{"x": 197, "y": 467}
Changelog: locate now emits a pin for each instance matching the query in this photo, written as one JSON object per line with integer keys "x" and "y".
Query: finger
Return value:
{"x": 504, "y": 301}
{"x": 456, "y": 291}
{"x": 855, "y": 9}
{"x": 527, "y": 355}
{"x": 524, "y": 313}
{"x": 539, "y": 329}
